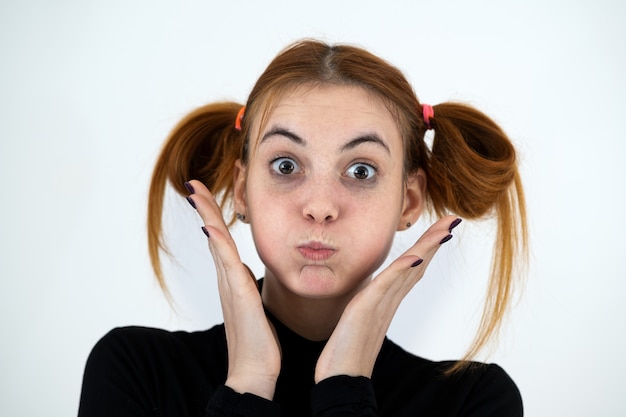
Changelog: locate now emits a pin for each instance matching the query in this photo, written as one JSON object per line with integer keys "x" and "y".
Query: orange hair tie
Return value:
{"x": 239, "y": 119}
{"x": 428, "y": 112}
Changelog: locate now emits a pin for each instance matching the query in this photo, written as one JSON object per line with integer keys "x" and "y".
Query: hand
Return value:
{"x": 356, "y": 341}
{"x": 253, "y": 350}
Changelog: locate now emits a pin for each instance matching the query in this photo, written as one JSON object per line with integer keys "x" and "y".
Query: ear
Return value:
{"x": 239, "y": 190}
{"x": 414, "y": 195}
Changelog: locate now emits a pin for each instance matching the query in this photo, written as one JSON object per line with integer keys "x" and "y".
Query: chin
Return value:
{"x": 318, "y": 281}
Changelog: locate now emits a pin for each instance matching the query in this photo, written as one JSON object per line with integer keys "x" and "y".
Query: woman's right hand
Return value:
{"x": 253, "y": 349}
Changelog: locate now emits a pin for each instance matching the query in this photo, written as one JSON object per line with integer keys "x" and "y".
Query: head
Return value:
{"x": 324, "y": 111}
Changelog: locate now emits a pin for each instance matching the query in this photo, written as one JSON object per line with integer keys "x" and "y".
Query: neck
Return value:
{"x": 312, "y": 318}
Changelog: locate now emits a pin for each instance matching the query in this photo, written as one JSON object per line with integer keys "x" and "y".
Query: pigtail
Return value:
{"x": 203, "y": 146}
{"x": 472, "y": 171}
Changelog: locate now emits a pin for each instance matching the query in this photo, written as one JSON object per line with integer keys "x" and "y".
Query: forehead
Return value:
{"x": 326, "y": 100}
{"x": 329, "y": 109}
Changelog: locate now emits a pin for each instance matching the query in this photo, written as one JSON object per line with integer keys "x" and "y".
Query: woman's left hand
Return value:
{"x": 356, "y": 341}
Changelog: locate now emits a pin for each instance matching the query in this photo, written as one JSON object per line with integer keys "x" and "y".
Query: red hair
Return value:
{"x": 471, "y": 168}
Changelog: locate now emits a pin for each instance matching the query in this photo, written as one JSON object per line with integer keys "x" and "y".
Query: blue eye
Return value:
{"x": 285, "y": 166}
{"x": 361, "y": 171}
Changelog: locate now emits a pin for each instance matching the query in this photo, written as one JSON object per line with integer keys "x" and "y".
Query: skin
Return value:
{"x": 324, "y": 193}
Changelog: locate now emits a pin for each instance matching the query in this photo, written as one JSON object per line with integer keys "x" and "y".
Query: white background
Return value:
{"x": 89, "y": 90}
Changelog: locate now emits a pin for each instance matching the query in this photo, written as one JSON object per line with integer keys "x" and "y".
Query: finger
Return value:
{"x": 230, "y": 270}
{"x": 204, "y": 203}
{"x": 409, "y": 268}
{"x": 232, "y": 274}
{"x": 430, "y": 242}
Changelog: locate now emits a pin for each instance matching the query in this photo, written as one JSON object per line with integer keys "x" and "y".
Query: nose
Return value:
{"x": 321, "y": 201}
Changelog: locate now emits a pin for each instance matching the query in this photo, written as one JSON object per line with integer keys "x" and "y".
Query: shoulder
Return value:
{"x": 492, "y": 391}
{"x": 145, "y": 344}
{"x": 133, "y": 355}
{"x": 129, "y": 368}
{"x": 143, "y": 337}
{"x": 480, "y": 389}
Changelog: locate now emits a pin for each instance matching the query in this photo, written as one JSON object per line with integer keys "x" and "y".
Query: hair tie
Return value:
{"x": 239, "y": 118}
{"x": 428, "y": 112}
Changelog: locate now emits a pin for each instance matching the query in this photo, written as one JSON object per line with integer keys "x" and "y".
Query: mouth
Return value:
{"x": 316, "y": 251}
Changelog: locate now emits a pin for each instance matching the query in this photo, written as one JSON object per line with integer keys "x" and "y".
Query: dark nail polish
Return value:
{"x": 454, "y": 224}
{"x": 445, "y": 239}
{"x": 417, "y": 263}
{"x": 206, "y": 232}
{"x": 191, "y": 202}
{"x": 189, "y": 188}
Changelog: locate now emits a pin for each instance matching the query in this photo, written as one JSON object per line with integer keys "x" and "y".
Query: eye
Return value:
{"x": 361, "y": 171}
{"x": 285, "y": 166}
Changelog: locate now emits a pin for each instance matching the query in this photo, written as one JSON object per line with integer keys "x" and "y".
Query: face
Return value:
{"x": 324, "y": 190}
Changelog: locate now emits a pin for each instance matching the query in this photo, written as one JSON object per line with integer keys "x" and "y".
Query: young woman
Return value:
{"x": 326, "y": 161}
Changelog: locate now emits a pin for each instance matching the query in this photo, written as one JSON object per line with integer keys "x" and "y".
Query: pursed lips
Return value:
{"x": 316, "y": 251}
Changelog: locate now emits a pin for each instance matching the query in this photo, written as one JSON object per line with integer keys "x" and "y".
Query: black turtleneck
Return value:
{"x": 297, "y": 368}
{"x": 137, "y": 371}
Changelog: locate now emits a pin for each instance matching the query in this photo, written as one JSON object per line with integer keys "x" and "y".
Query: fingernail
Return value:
{"x": 189, "y": 188}
{"x": 445, "y": 239}
{"x": 206, "y": 232}
{"x": 454, "y": 224}
{"x": 416, "y": 263}
{"x": 191, "y": 202}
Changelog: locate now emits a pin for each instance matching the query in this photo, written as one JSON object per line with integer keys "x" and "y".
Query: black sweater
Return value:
{"x": 137, "y": 371}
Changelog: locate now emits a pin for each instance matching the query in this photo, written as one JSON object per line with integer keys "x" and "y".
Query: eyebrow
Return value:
{"x": 281, "y": 131}
{"x": 364, "y": 138}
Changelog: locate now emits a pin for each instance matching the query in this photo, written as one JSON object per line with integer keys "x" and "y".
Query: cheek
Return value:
{"x": 372, "y": 233}
{"x": 270, "y": 215}
{"x": 373, "y": 225}
{"x": 267, "y": 207}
